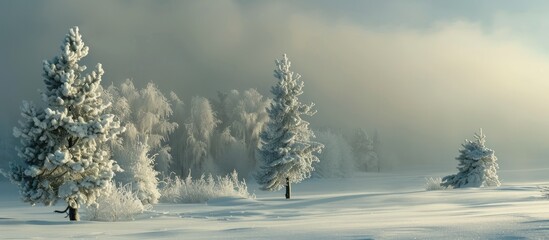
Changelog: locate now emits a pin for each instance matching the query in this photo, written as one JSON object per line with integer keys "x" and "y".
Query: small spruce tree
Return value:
{"x": 286, "y": 149}
{"x": 477, "y": 166}
{"x": 63, "y": 145}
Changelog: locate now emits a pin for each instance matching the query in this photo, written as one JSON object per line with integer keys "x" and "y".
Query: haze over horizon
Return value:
{"x": 424, "y": 74}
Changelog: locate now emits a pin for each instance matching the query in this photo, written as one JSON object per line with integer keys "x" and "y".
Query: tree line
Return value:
{"x": 84, "y": 136}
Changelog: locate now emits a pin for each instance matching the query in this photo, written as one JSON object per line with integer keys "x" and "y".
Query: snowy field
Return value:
{"x": 371, "y": 206}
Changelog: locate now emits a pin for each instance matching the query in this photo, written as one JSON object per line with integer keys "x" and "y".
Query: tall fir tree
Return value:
{"x": 286, "y": 149}
{"x": 63, "y": 145}
{"x": 477, "y": 165}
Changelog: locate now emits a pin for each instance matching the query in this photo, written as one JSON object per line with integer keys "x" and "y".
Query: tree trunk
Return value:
{"x": 288, "y": 188}
{"x": 73, "y": 214}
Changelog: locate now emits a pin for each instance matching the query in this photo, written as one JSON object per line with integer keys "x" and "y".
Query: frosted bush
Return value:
{"x": 176, "y": 190}
{"x": 138, "y": 168}
{"x": 433, "y": 184}
{"x": 116, "y": 204}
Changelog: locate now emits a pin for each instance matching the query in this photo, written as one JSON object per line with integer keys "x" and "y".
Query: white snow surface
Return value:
{"x": 369, "y": 206}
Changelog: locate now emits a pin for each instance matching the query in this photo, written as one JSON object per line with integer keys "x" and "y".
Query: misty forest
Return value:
{"x": 330, "y": 154}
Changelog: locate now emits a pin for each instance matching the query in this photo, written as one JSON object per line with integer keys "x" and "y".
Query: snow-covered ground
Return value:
{"x": 371, "y": 206}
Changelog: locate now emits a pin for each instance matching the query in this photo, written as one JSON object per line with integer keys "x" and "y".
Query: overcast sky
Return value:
{"x": 425, "y": 74}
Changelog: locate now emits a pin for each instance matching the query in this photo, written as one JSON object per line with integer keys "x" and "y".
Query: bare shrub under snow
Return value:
{"x": 177, "y": 190}
{"x": 433, "y": 184}
{"x": 116, "y": 204}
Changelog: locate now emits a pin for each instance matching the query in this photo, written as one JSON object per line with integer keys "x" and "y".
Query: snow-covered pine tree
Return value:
{"x": 477, "y": 165}
{"x": 63, "y": 145}
{"x": 286, "y": 150}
